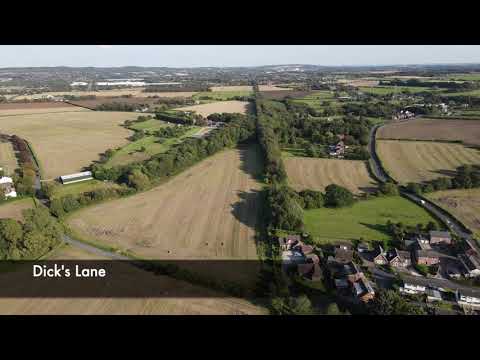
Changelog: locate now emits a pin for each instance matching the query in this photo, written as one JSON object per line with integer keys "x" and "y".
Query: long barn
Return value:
{"x": 82, "y": 176}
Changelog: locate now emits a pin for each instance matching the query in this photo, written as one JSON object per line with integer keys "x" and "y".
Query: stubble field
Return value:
{"x": 67, "y": 142}
{"x": 188, "y": 300}
{"x": 467, "y": 131}
{"x": 463, "y": 204}
{"x": 8, "y": 161}
{"x": 232, "y": 106}
{"x": 207, "y": 212}
{"x": 316, "y": 174}
{"x": 419, "y": 161}
{"x": 13, "y": 210}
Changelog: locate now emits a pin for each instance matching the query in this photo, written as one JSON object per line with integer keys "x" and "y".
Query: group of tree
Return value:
{"x": 451, "y": 85}
{"x": 180, "y": 118}
{"x": 38, "y": 234}
{"x": 399, "y": 232}
{"x": 466, "y": 177}
{"x": 390, "y": 302}
{"x": 179, "y": 157}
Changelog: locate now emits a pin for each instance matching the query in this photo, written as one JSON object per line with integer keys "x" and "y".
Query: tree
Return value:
{"x": 390, "y": 302}
{"x": 338, "y": 196}
{"x": 414, "y": 188}
{"x": 138, "y": 180}
{"x": 389, "y": 189}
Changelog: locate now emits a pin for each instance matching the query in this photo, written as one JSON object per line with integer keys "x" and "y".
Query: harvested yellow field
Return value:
{"x": 189, "y": 299}
{"x": 463, "y": 204}
{"x": 66, "y": 109}
{"x": 8, "y": 160}
{"x": 13, "y": 210}
{"x": 135, "y": 92}
{"x": 467, "y": 131}
{"x": 67, "y": 142}
{"x": 209, "y": 211}
{"x": 419, "y": 161}
{"x": 316, "y": 174}
{"x": 247, "y": 88}
{"x": 232, "y": 106}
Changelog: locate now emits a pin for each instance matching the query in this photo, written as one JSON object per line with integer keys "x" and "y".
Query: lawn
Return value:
{"x": 222, "y": 95}
{"x": 81, "y": 187}
{"x": 366, "y": 219}
{"x": 132, "y": 152}
{"x": 384, "y": 90}
{"x": 149, "y": 125}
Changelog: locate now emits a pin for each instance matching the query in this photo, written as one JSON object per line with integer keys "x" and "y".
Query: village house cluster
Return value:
{"x": 297, "y": 257}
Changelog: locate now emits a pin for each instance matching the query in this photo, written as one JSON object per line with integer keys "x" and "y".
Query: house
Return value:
{"x": 440, "y": 237}
{"x": 337, "y": 149}
{"x": 310, "y": 271}
{"x": 341, "y": 283}
{"x": 399, "y": 258}
{"x": 471, "y": 263}
{"x": 379, "y": 256}
{"x": 411, "y": 288}
{"x": 363, "y": 290}
{"x": 433, "y": 295}
{"x": 363, "y": 247}
{"x": 352, "y": 272}
{"x": 7, "y": 187}
{"x": 73, "y": 178}
{"x": 466, "y": 297}
{"x": 343, "y": 255}
{"x": 426, "y": 257}
{"x": 422, "y": 243}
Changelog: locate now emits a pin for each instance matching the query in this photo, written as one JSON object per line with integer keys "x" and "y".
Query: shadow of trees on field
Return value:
{"x": 445, "y": 172}
{"x": 251, "y": 161}
{"x": 377, "y": 227}
{"x": 246, "y": 210}
{"x": 368, "y": 189}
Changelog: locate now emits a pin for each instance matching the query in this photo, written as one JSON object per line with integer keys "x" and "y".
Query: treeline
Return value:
{"x": 179, "y": 118}
{"x": 466, "y": 177}
{"x": 141, "y": 175}
{"x": 38, "y": 234}
{"x": 120, "y": 106}
{"x": 452, "y": 85}
{"x": 68, "y": 203}
{"x": 176, "y": 88}
{"x": 24, "y": 178}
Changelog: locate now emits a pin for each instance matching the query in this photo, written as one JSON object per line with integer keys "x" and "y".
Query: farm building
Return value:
{"x": 6, "y": 186}
{"x": 72, "y": 178}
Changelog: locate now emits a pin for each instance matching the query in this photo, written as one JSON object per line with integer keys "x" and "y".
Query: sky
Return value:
{"x": 233, "y": 55}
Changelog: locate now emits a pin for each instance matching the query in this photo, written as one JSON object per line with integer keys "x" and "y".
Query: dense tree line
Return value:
{"x": 38, "y": 234}
{"x": 390, "y": 302}
{"x": 139, "y": 175}
{"x": 452, "y": 85}
{"x": 179, "y": 118}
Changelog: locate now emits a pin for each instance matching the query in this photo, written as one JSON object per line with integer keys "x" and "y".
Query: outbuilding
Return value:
{"x": 72, "y": 178}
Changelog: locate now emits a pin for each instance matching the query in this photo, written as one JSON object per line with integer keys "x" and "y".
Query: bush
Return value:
{"x": 389, "y": 189}
{"x": 311, "y": 199}
{"x": 338, "y": 196}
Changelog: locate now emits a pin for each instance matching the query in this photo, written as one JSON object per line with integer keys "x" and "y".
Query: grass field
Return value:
{"x": 80, "y": 187}
{"x": 131, "y": 152}
{"x": 8, "y": 160}
{"x": 246, "y": 88}
{"x": 207, "y": 212}
{"x": 40, "y": 111}
{"x": 473, "y": 93}
{"x": 463, "y": 204}
{"x": 366, "y": 219}
{"x": 191, "y": 299}
{"x": 466, "y": 77}
{"x": 419, "y": 161}
{"x": 218, "y": 107}
{"x": 467, "y": 131}
{"x": 67, "y": 142}
{"x": 13, "y": 209}
{"x": 222, "y": 95}
{"x": 149, "y": 125}
{"x": 316, "y": 174}
{"x": 385, "y": 90}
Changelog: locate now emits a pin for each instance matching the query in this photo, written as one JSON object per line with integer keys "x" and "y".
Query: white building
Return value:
{"x": 6, "y": 185}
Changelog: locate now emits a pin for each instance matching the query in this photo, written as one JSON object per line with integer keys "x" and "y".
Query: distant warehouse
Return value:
{"x": 82, "y": 176}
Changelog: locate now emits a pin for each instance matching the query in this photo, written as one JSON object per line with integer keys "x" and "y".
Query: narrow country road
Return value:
{"x": 93, "y": 249}
{"x": 455, "y": 225}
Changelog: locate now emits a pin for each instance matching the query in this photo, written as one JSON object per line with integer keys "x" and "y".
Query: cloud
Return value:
{"x": 105, "y": 46}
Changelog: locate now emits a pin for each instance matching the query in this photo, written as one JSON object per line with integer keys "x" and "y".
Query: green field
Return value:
{"x": 81, "y": 187}
{"x": 131, "y": 152}
{"x": 466, "y": 77}
{"x": 474, "y": 93}
{"x": 385, "y": 90}
{"x": 366, "y": 219}
{"x": 221, "y": 95}
{"x": 149, "y": 125}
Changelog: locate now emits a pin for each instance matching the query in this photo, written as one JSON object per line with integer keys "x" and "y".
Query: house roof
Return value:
{"x": 428, "y": 253}
{"x": 6, "y": 180}
{"x": 442, "y": 234}
{"x": 397, "y": 253}
{"x": 342, "y": 255}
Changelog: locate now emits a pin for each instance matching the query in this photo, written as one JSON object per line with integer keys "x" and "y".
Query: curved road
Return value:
{"x": 455, "y": 225}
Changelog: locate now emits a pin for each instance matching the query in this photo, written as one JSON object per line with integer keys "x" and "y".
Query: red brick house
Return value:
{"x": 426, "y": 257}
{"x": 379, "y": 256}
{"x": 398, "y": 258}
